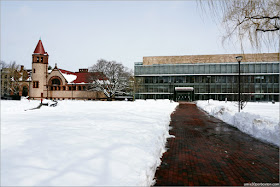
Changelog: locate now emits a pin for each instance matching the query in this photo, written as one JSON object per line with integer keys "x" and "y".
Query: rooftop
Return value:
{"x": 40, "y": 48}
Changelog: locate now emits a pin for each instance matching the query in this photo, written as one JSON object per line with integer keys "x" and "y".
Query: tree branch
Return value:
{"x": 263, "y": 17}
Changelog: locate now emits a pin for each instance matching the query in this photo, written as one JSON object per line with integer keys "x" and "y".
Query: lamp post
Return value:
{"x": 239, "y": 58}
{"x": 208, "y": 77}
{"x": 170, "y": 91}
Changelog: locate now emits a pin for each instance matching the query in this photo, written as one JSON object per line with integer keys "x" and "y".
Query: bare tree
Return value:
{"x": 109, "y": 77}
{"x": 3, "y": 65}
{"x": 15, "y": 77}
{"x": 255, "y": 20}
{"x": 10, "y": 77}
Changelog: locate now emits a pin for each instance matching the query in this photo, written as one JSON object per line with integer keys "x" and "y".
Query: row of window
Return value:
{"x": 68, "y": 98}
{"x": 6, "y": 76}
{"x": 38, "y": 59}
{"x": 264, "y": 67}
{"x": 225, "y": 88}
{"x": 81, "y": 88}
{"x": 221, "y": 97}
{"x": 209, "y": 79}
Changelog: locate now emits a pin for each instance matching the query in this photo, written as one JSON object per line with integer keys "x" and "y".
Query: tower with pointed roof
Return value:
{"x": 40, "y": 57}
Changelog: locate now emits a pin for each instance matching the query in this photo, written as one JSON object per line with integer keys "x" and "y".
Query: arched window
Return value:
{"x": 55, "y": 82}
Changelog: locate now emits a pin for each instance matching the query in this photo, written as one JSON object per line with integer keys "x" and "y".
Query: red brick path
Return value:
{"x": 207, "y": 151}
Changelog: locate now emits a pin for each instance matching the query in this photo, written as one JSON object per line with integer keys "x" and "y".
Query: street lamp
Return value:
{"x": 239, "y": 58}
{"x": 208, "y": 77}
{"x": 170, "y": 90}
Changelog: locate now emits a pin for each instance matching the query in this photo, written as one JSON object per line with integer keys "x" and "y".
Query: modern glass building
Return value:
{"x": 208, "y": 76}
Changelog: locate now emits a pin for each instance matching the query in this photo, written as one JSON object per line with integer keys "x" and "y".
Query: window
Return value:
{"x": 165, "y": 79}
{"x": 55, "y": 82}
{"x": 41, "y": 59}
{"x": 191, "y": 79}
{"x": 33, "y": 70}
{"x": 276, "y": 79}
{"x": 37, "y": 59}
{"x": 179, "y": 79}
{"x": 35, "y": 84}
{"x": 63, "y": 87}
{"x": 276, "y": 88}
{"x": 148, "y": 80}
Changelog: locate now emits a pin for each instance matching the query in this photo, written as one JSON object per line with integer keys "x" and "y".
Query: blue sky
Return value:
{"x": 78, "y": 33}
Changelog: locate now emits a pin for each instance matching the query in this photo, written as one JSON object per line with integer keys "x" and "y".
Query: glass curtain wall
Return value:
{"x": 259, "y": 81}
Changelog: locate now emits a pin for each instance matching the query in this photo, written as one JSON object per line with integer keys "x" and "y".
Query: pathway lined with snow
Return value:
{"x": 83, "y": 143}
{"x": 207, "y": 151}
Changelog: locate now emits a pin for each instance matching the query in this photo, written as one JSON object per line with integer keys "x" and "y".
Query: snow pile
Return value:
{"x": 260, "y": 120}
{"x": 83, "y": 143}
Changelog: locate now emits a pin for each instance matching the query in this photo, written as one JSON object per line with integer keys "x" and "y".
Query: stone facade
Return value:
{"x": 68, "y": 91}
{"x": 57, "y": 83}
{"x": 14, "y": 81}
{"x": 224, "y": 58}
{"x": 39, "y": 75}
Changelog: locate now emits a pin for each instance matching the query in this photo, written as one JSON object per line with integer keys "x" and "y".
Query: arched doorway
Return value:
{"x": 24, "y": 91}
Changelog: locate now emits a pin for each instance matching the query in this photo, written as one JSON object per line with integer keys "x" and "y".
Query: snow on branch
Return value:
{"x": 110, "y": 77}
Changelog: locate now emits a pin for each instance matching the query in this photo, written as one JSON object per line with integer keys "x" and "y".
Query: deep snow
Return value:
{"x": 260, "y": 120}
{"x": 83, "y": 143}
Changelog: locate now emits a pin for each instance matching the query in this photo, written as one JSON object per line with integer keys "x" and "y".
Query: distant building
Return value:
{"x": 198, "y": 77}
{"x": 15, "y": 81}
{"x": 58, "y": 83}
{"x": 5, "y": 82}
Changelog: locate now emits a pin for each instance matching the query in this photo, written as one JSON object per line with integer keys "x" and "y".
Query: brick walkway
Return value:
{"x": 207, "y": 151}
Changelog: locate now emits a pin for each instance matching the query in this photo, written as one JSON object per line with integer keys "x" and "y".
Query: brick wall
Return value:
{"x": 261, "y": 57}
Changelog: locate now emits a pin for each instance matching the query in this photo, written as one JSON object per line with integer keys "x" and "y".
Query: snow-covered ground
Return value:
{"x": 260, "y": 120}
{"x": 83, "y": 143}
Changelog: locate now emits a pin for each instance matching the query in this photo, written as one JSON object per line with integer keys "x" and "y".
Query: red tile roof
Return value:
{"x": 83, "y": 77}
{"x": 40, "y": 48}
{"x": 67, "y": 72}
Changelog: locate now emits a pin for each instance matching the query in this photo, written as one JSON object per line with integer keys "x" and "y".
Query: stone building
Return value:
{"x": 196, "y": 77}
{"x": 58, "y": 83}
{"x": 15, "y": 81}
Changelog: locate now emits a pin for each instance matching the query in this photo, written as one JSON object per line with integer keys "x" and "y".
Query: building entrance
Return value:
{"x": 184, "y": 94}
{"x": 184, "y": 97}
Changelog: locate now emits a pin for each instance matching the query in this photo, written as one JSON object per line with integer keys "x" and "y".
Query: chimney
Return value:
{"x": 83, "y": 70}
